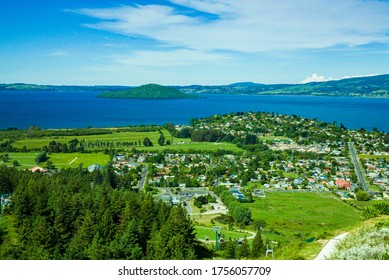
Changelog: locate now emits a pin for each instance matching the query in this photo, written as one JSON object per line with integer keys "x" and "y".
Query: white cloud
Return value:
{"x": 252, "y": 25}
{"x": 359, "y": 76}
{"x": 315, "y": 78}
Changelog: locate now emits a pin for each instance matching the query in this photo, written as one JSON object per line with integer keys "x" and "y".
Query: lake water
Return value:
{"x": 82, "y": 109}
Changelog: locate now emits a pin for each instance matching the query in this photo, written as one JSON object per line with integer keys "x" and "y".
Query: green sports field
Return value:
{"x": 60, "y": 160}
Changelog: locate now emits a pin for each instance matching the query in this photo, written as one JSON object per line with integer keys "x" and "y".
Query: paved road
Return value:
{"x": 188, "y": 208}
{"x": 330, "y": 247}
{"x": 357, "y": 166}
{"x": 142, "y": 181}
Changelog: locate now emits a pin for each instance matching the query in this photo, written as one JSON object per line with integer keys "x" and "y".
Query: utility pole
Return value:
{"x": 217, "y": 231}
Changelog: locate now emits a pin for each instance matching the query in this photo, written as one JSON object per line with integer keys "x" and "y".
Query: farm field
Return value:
{"x": 60, "y": 160}
{"x": 304, "y": 213}
{"x": 302, "y": 216}
{"x": 38, "y": 143}
{"x": 184, "y": 144}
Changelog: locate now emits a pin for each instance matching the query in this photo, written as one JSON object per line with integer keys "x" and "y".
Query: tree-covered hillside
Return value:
{"x": 374, "y": 86}
{"x": 74, "y": 214}
{"x": 149, "y": 91}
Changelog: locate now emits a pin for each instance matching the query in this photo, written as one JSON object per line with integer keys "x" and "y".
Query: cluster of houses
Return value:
{"x": 310, "y": 174}
{"x": 377, "y": 170}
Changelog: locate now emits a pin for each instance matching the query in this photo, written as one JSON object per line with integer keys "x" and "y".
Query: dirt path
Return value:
{"x": 330, "y": 247}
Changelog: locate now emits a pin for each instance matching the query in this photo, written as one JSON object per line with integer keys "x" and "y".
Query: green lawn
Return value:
{"x": 291, "y": 175}
{"x": 60, "y": 160}
{"x": 184, "y": 144}
{"x": 38, "y": 143}
{"x": 204, "y": 232}
{"x": 373, "y": 156}
{"x": 272, "y": 138}
{"x": 196, "y": 146}
{"x": 294, "y": 217}
{"x": 304, "y": 213}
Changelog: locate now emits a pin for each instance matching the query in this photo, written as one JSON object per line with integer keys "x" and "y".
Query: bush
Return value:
{"x": 41, "y": 157}
{"x": 225, "y": 219}
{"x": 365, "y": 244}
{"x": 382, "y": 207}
{"x": 369, "y": 212}
{"x": 363, "y": 196}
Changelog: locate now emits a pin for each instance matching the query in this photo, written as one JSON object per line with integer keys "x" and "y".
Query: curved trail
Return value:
{"x": 327, "y": 250}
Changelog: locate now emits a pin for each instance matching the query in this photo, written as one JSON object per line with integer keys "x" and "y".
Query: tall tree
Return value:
{"x": 257, "y": 247}
{"x": 243, "y": 250}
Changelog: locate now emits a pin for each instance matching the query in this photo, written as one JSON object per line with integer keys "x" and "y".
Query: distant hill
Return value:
{"x": 374, "y": 86}
{"x": 20, "y": 86}
{"x": 34, "y": 87}
{"x": 149, "y": 91}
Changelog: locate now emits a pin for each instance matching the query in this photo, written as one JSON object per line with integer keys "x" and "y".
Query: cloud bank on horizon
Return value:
{"x": 221, "y": 41}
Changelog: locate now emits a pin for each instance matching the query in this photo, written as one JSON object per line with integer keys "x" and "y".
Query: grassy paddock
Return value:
{"x": 203, "y": 219}
{"x": 373, "y": 156}
{"x": 184, "y": 144}
{"x": 204, "y": 232}
{"x": 272, "y": 138}
{"x": 304, "y": 213}
{"x": 196, "y": 146}
{"x": 294, "y": 217}
{"x": 38, "y": 143}
{"x": 60, "y": 160}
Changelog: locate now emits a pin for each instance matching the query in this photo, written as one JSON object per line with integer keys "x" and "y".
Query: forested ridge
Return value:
{"x": 74, "y": 214}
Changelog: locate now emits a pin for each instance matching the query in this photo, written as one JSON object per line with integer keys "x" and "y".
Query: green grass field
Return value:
{"x": 184, "y": 144}
{"x": 291, "y": 175}
{"x": 204, "y": 232}
{"x": 272, "y": 138}
{"x": 38, "y": 143}
{"x": 373, "y": 156}
{"x": 60, "y": 160}
{"x": 294, "y": 217}
{"x": 305, "y": 214}
{"x": 196, "y": 146}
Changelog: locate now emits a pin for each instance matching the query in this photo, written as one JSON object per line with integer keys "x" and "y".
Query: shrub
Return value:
{"x": 382, "y": 207}
{"x": 369, "y": 212}
{"x": 365, "y": 244}
{"x": 363, "y": 196}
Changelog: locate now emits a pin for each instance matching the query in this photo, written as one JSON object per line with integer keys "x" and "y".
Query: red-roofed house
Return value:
{"x": 37, "y": 168}
{"x": 343, "y": 184}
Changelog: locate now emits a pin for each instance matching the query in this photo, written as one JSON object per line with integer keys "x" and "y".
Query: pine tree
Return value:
{"x": 243, "y": 251}
{"x": 230, "y": 249}
{"x": 257, "y": 247}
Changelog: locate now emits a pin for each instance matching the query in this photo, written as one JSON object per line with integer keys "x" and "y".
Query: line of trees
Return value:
{"x": 241, "y": 214}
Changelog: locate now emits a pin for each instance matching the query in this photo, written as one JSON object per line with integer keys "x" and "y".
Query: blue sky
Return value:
{"x": 182, "y": 42}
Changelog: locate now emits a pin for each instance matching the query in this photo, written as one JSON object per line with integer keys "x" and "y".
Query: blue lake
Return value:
{"x": 82, "y": 109}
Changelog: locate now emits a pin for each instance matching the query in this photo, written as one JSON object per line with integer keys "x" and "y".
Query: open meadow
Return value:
{"x": 118, "y": 137}
{"x": 203, "y": 232}
{"x": 60, "y": 160}
{"x": 303, "y": 219}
